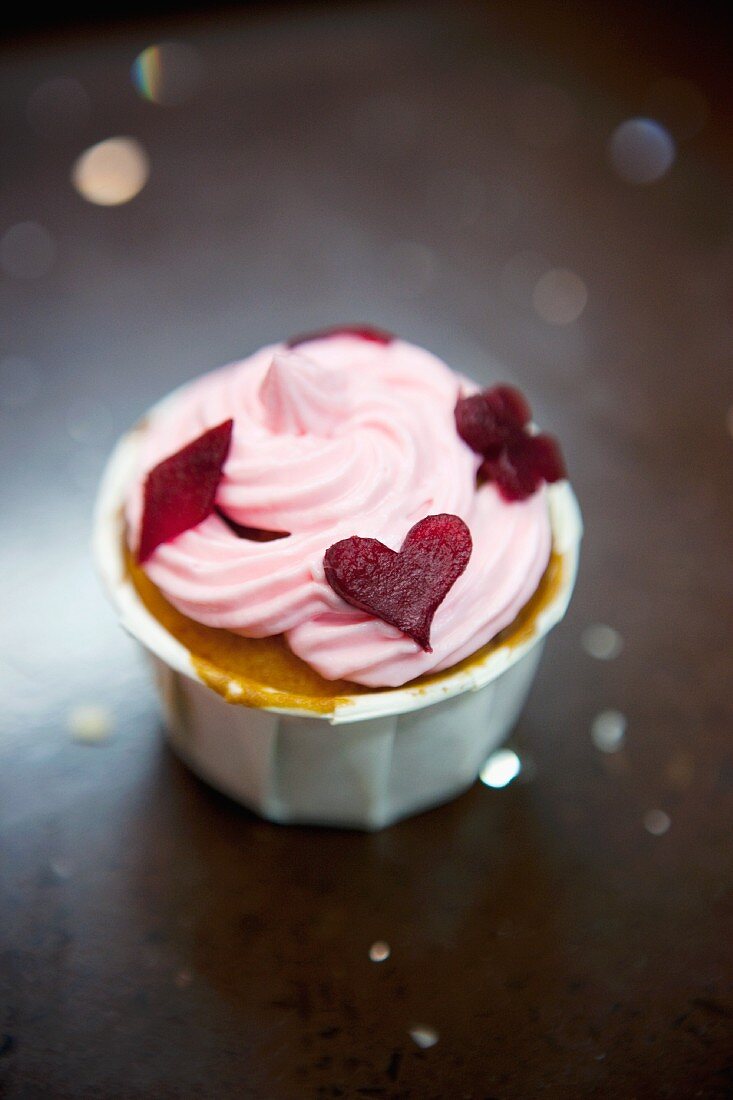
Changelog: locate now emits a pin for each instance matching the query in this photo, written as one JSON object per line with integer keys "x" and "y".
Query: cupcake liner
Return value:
{"x": 396, "y": 751}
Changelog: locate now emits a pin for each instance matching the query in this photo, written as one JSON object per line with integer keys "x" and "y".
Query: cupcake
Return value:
{"x": 342, "y": 558}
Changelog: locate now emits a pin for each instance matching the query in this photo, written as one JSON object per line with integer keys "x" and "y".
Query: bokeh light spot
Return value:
{"x": 111, "y": 172}
{"x": 559, "y": 296}
{"x": 641, "y": 150}
{"x": 424, "y": 1037}
{"x": 60, "y": 870}
{"x": 167, "y": 73}
{"x": 657, "y": 822}
{"x": 500, "y": 768}
{"x": 608, "y": 731}
{"x": 90, "y": 723}
{"x": 602, "y": 642}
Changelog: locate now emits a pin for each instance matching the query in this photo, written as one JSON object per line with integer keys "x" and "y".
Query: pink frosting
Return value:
{"x": 338, "y": 437}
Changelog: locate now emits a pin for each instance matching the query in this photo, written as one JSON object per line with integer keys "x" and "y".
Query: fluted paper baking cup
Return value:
{"x": 396, "y": 751}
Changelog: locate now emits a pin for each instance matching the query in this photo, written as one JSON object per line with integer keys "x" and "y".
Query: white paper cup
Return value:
{"x": 381, "y": 755}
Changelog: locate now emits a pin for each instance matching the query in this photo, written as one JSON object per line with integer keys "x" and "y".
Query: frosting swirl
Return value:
{"x": 338, "y": 437}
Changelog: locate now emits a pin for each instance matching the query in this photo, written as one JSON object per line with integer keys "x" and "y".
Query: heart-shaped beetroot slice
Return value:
{"x": 487, "y": 421}
{"x": 180, "y": 491}
{"x": 362, "y": 332}
{"x": 402, "y": 588}
{"x": 523, "y": 464}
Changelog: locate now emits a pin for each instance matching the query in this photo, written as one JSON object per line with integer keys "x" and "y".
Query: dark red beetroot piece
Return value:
{"x": 494, "y": 424}
{"x": 523, "y": 465}
{"x": 363, "y": 332}
{"x": 180, "y": 491}
{"x": 404, "y": 589}
{"x": 488, "y": 420}
{"x": 254, "y": 534}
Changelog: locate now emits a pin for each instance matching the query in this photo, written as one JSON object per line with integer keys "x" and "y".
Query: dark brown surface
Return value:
{"x": 157, "y": 940}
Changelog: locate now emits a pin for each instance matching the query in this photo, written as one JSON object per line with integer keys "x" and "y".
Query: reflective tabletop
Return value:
{"x": 542, "y": 199}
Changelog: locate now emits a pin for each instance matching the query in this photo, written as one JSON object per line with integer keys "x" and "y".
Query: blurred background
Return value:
{"x": 538, "y": 192}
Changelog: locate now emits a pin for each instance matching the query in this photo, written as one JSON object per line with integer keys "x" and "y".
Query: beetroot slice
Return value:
{"x": 509, "y": 405}
{"x": 254, "y": 534}
{"x": 362, "y": 332}
{"x": 494, "y": 424}
{"x": 404, "y": 589}
{"x": 547, "y": 458}
{"x": 180, "y": 491}
{"x": 524, "y": 464}
{"x": 487, "y": 421}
